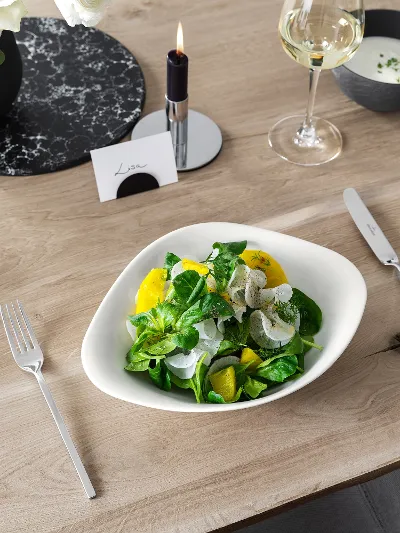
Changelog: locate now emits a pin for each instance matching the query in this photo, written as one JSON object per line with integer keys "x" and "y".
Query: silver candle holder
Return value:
{"x": 197, "y": 140}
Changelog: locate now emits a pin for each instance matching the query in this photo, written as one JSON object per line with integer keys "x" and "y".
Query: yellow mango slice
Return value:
{"x": 265, "y": 262}
{"x": 224, "y": 383}
{"x": 151, "y": 290}
{"x": 249, "y": 355}
{"x": 188, "y": 264}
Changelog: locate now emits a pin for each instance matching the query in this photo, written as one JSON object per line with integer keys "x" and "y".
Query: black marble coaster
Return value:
{"x": 81, "y": 90}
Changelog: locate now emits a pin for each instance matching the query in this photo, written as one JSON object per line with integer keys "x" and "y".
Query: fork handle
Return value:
{"x": 87, "y": 485}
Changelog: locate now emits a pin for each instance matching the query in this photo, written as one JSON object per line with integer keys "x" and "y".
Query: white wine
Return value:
{"x": 323, "y": 38}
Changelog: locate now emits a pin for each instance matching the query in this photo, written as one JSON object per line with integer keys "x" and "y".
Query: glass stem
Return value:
{"x": 314, "y": 77}
{"x": 306, "y": 135}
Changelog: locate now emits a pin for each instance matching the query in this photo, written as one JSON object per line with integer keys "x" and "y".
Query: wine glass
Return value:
{"x": 319, "y": 34}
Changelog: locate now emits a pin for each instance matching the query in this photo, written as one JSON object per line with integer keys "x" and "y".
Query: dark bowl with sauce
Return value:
{"x": 373, "y": 94}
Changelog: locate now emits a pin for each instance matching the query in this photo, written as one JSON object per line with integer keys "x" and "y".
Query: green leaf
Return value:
{"x": 253, "y": 387}
{"x": 312, "y": 344}
{"x": 197, "y": 291}
{"x": 235, "y": 336}
{"x": 235, "y": 248}
{"x": 294, "y": 347}
{"x": 307, "y": 347}
{"x": 227, "y": 347}
{"x": 279, "y": 370}
{"x": 211, "y": 305}
{"x": 300, "y": 361}
{"x": 196, "y": 382}
{"x": 287, "y": 311}
{"x": 181, "y": 383}
{"x": 159, "y": 318}
{"x": 2, "y": 57}
{"x": 226, "y": 261}
{"x": 167, "y": 378}
{"x": 310, "y": 313}
{"x": 166, "y": 314}
{"x": 141, "y": 319}
{"x": 160, "y": 376}
{"x": 140, "y": 341}
{"x": 169, "y": 262}
{"x": 213, "y": 397}
{"x": 186, "y": 338}
{"x": 135, "y": 355}
{"x": 188, "y": 286}
{"x": 162, "y": 347}
{"x": 138, "y": 366}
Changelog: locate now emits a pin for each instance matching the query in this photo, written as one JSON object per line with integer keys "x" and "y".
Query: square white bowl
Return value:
{"x": 329, "y": 278}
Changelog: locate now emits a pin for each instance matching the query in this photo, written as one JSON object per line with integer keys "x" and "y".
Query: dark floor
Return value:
{"x": 372, "y": 507}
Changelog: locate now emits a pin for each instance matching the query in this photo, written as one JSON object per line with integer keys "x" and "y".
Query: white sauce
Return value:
{"x": 378, "y": 58}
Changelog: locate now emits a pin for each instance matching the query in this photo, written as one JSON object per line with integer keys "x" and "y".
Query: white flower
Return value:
{"x": 11, "y": 13}
{"x": 86, "y": 12}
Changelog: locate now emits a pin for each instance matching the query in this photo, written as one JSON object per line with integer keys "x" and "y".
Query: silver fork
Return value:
{"x": 29, "y": 356}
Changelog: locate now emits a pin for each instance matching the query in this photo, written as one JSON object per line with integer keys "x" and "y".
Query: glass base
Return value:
{"x": 318, "y": 145}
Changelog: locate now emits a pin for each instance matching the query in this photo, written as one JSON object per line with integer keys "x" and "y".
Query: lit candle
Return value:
{"x": 177, "y": 71}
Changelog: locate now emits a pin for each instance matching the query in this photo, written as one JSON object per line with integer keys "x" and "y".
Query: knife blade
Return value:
{"x": 369, "y": 229}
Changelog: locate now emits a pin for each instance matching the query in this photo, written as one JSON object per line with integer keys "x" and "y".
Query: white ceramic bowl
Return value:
{"x": 327, "y": 277}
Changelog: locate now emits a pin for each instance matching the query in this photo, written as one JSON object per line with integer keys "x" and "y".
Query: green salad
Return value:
{"x": 226, "y": 328}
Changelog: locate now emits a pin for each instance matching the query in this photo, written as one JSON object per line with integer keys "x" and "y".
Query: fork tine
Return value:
{"x": 28, "y": 326}
{"x": 14, "y": 329}
{"x": 21, "y": 329}
{"x": 9, "y": 335}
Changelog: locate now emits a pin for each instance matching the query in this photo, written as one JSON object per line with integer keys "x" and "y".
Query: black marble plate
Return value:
{"x": 81, "y": 90}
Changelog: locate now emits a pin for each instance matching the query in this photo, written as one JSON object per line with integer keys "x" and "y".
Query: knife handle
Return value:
{"x": 393, "y": 264}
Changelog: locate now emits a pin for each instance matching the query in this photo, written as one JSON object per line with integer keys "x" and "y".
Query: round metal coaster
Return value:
{"x": 204, "y": 137}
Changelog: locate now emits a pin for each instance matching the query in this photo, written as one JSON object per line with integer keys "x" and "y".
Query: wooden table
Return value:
{"x": 61, "y": 250}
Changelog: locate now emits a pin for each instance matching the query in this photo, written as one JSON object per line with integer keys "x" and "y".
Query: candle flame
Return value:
{"x": 179, "y": 39}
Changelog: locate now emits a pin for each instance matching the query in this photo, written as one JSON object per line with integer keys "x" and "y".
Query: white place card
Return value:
{"x": 134, "y": 166}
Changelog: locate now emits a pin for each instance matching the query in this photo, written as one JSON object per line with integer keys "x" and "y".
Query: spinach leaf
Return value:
{"x": 142, "y": 319}
{"x": 186, "y": 338}
{"x": 138, "y": 365}
{"x": 226, "y": 261}
{"x": 160, "y": 375}
{"x": 235, "y": 248}
{"x": 188, "y": 286}
{"x": 310, "y": 313}
{"x": 294, "y": 347}
{"x": 227, "y": 347}
{"x": 196, "y": 382}
{"x": 140, "y": 341}
{"x": 211, "y": 305}
{"x": 280, "y": 369}
{"x": 165, "y": 315}
{"x": 300, "y": 362}
{"x": 162, "y": 347}
{"x": 253, "y": 387}
{"x": 159, "y": 318}
{"x": 240, "y": 373}
{"x": 181, "y": 383}
{"x": 237, "y": 333}
{"x": 214, "y": 397}
{"x": 169, "y": 262}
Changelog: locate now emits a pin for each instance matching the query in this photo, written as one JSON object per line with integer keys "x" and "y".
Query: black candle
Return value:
{"x": 177, "y": 71}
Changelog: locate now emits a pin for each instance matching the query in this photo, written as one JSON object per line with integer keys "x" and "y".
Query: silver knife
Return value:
{"x": 369, "y": 229}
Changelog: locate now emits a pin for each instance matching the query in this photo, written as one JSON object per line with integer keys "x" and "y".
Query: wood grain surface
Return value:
{"x": 160, "y": 472}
